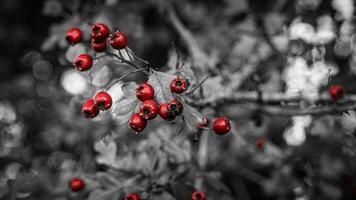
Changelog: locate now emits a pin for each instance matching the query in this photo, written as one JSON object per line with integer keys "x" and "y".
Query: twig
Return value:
{"x": 113, "y": 82}
{"x": 197, "y": 86}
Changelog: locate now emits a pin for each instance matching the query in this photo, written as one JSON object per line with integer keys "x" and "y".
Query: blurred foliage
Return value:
{"x": 44, "y": 140}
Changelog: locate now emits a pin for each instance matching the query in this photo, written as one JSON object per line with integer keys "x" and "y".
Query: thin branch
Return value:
{"x": 198, "y": 86}
{"x": 113, "y": 82}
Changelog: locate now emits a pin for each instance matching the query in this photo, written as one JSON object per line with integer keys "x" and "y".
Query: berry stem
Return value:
{"x": 198, "y": 86}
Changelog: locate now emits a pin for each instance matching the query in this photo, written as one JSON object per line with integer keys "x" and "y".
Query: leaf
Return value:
{"x": 107, "y": 180}
{"x": 125, "y": 109}
{"x": 102, "y": 77}
{"x": 192, "y": 117}
{"x": 107, "y": 152}
{"x": 129, "y": 89}
{"x": 106, "y": 194}
{"x": 160, "y": 82}
{"x": 116, "y": 92}
{"x": 74, "y": 51}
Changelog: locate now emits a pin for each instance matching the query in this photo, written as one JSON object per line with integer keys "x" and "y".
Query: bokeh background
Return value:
{"x": 45, "y": 141}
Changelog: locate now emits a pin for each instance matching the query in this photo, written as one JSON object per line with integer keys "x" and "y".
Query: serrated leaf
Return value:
{"x": 124, "y": 109}
{"x": 160, "y": 82}
{"x": 107, "y": 152}
{"x": 192, "y": 117}
{"x": 106, "y": 194}
{"x": 129, "y": 89}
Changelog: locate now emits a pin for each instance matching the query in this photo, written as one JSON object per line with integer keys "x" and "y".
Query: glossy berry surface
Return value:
{"x": 178, "y": 85}
{"x": 145, "y": 92}
{"x": 83, "y": 62}
{"x": 133, "y": 196}
{"x": 90, "y": 109}
{"x": 165, "y": 113}
{"x": 221, "y": 125}
{"x": 103, "y": 100}
{"x": 336, "y": 92}
{"x": 149, "y": 109}
{"x": 118, "y": 40}
{"x": 74, "y": 36}
{"x": 76, "y": 184}
{"x": 198, "y": 196}
{"x": 100, "y": 32}
{"x": 175, "y": 107}
{"x": 137, "y": 123}
{"x": 204, "y": 123}
{"x": 98, "y": 45}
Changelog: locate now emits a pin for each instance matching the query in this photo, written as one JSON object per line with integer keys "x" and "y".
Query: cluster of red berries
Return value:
{"x": 78, "y": 184}
{"x": 100, "y": 33}
{"x": 102, "y": 101}
{"x": 149, "y": 108}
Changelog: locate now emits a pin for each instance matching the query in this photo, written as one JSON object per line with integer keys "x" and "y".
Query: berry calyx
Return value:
{"x": 98, "y": 45}
{"x": 90, "y": 109}
{"x": 221, "y": 125}
{"x": 83, "y": 62}
{"x": 145, "y": 92}
{"x": 204, "y": 123}
{"x": 74, "y": 36}
{"x": 100, "y": 32}
{"x": 165, "y": 113}
{"x": 149, "y": 109}
{"x": 198, "y": 195}
{"x": 103, "y": 100}
{"x": 178, "y": 85}
{"x": 118, "y": 40}
{"x": 133, "y": 196}
{"x": 137, "y": 122}
{"x": 175, "y": 107}
{"x": 336, "y": 92}
{"x": 76, "y": 184}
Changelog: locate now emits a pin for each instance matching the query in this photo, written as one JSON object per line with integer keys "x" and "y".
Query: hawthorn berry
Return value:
{"x": 165, "y": 113}
{"x": 137, "y": 122}
{"x": 221, "y": 125}
{"x": 90, "y": 109}
{"x": 98, "y": 45}
{"x": 83, "y": 62}
{"x": 198, "y": 195}
{"x": 336, "y": 92}
{"x": 145, "y": 92}
{"x": 178, "y": 85}
{"x": 149, "y": 109}
{"x": 118, "y": 40}
{"x": 100, "y": 32}
{"x": 76, "y": 184}
{"x": 103, "y": 100}
{"x": 204, "y": 123}
{"x": 133, "y": 196}
{"x": 74, "y": 36}
{"x": 261, "y": 143}
{"x": 175, "y": 107}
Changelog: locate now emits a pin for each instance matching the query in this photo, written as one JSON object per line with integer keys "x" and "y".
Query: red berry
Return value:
{"x": 145, "y": 92}
{"x": 137, "y": 122}
{"x": 76, "y": 184}
{"x": 118, "y": 40}
{"x": 103, "y": 100}
{"x": 149, "y": 109}
{"x": 336, "y": 92}
{"x": 165, "y": 113}
{"x": 221, "y": 125}
{"x": 178, "y": 85}
{"x": 133, "y": 196}
{"x": 198, "y": 196}
{"x": 90, "y": 109}
{"x": 175, "y": 107}
{"x": 204, "y": 123}
{"x": 83, "y": 62}
{"x": 98, "y": 45}
{"x": 261, "y": 143}
{"x": 100, "y": 32}
{"x": 74, "y": 35}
